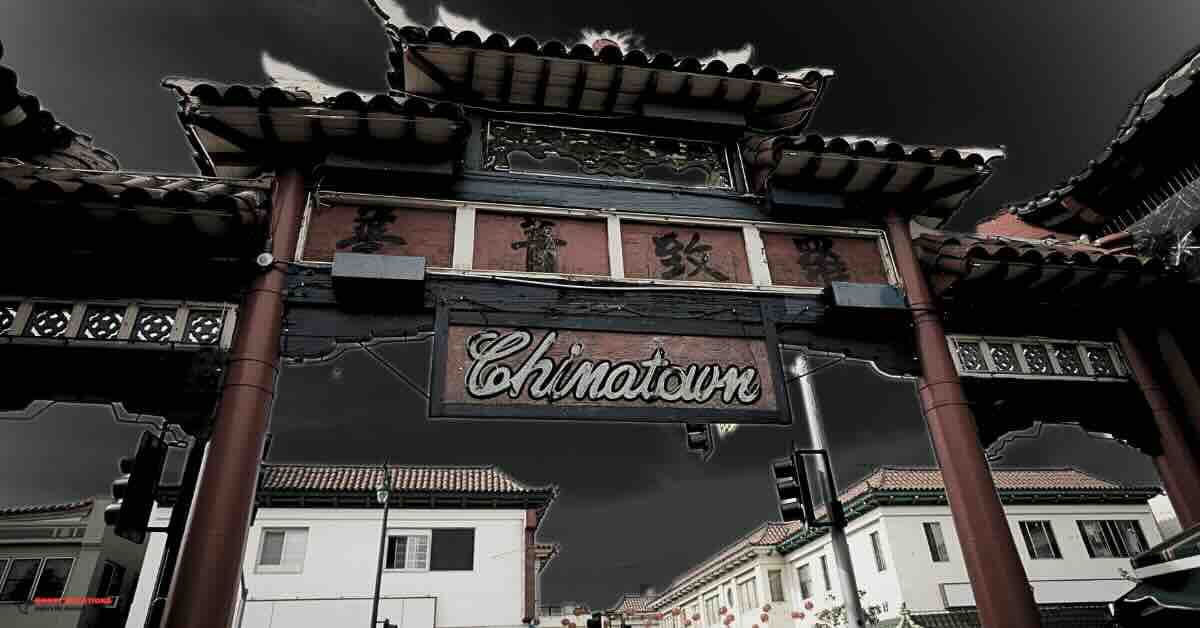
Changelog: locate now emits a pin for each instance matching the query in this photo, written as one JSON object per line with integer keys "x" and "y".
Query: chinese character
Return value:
{"x": 370, "y": 230}
{"x": 680, "y": 259}
{"x": 540, "y": 244}
{"x": 819, "y": 261}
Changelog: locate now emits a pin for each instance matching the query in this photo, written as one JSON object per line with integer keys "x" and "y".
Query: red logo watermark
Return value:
{"x": 75, "y": 601}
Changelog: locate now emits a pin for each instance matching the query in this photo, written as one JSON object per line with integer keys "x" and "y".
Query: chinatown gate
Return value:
{"x": 588, "y": 233}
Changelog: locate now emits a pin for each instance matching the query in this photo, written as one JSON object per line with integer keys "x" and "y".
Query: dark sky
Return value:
{"x": 1048, "y": 80}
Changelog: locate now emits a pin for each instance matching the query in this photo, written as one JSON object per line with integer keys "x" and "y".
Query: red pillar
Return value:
{"x": 1002, "y": 591}
{"x": 210, "y": 561}
{"x": 1177, "y": 464}
{"x": 1182, "y": 377}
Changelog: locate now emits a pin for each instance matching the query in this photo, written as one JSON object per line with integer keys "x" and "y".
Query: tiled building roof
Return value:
{"x": 464, "y": 67}
{"x": 31, "y": 133}
{"x": 246, "y": 198}
{"x": 236, "y": 129}
{"x": 930, "y": 479}
{"x": 943, "y": 177}
{"x": 1050, "y": 266}
{"x": 1169, "y": 100}
{"x": 45, "y": 509}
{"x": 349, "y": 478}
{"x": 633, "y": 604}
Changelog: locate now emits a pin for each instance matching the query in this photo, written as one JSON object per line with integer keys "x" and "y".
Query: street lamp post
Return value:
{"x": 383, "y": 492}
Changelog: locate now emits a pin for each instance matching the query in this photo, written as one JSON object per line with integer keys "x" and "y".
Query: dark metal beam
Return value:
{"x": 614, "y": 89}
{"x": 506, "y": 80}
{"x": 577, "y": 88}
{"x": 539, "y": 97}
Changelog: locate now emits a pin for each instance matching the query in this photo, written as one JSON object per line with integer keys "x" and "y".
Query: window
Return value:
{"x": 282, "y": 550}
{"x": 19, "y": 581}
{"x": 804, "y": 574}
{"x": 407, "y": 550}
{"x": 110, "y": 579}
{"x": 729, "y": 596}
{"x": 53, "y": 579}
{"x": 1112, "y": 539}
{"x": 825, "y": 574}
{"x": 877, "y": 548}
{"x": 711, "y": 606}
{"x": 452, "y": 549}
{"x": 775, "y": 580}
{"x": 937, "y": 544}
{"x": 444, "y": 549}
{"x": 1039, "y": 539}
{"x": 747, "y": 594}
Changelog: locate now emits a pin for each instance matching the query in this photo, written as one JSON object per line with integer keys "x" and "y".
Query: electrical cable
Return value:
{"x": 793, "y": 378}
{"x": 395, "y": 371}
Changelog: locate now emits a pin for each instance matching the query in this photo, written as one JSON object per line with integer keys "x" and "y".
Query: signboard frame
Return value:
{"x": 763, "y": 330}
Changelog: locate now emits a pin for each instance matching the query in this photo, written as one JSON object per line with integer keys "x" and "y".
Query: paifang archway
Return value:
{"x": 690, "y": 201}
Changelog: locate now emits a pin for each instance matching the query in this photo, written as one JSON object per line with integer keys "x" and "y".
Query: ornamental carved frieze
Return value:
{"x": 516, "y": 147}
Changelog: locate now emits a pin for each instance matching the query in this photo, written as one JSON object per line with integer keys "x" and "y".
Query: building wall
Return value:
{"x": 336, "y": 583}
{"x": 1075, "y": 577}
{"x": 89, "y": 551}
{"x": 911, "y": 577}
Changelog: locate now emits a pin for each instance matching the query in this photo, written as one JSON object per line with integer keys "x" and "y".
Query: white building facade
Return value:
{"x": 460, "y": 549}
{"x": 1074, "y": 532}
{"x": 64, "y": 552}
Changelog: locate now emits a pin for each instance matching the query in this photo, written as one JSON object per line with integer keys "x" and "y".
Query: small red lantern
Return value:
{"x": 728, "y": 619}
{"x": 754, "y": 626}
{"x": 658, "y": 616}
{"x": 696, "y": 617}
{"x": 572, "y": 625}
{"x": 724, "y": 610}
{"x": 801, "y": 615}
{"x": 764, "y": 617}
{"x": 808, "y": 605}
{"x": 797, "y": 615}
{"x": 676, "y": 611}
{"x": 766, "y": 608}
{"x": 566, "y": 622}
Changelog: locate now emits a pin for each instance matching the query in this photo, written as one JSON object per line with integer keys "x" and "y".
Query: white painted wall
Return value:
{"x": 1073, "y": 578}
{"x": 336, "y": 582}
{"x": 912, "y": 578}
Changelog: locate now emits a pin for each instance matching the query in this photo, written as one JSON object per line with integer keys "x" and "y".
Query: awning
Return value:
{"x": 938, "y": 179}
{"x": 236, "y": 130}
{"x": 527, "y": 74}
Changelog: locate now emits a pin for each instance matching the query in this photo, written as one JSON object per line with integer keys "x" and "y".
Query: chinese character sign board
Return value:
{"x": 816, "y": 260}
{"x": 684, "y": 253}
{"x": 383, "y": 230}
{"x": 540, "y": 243}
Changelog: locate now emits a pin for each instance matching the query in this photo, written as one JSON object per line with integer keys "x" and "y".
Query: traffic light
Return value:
{"x": 700, "y": 439}
{"x": 133, "y": 492}
{"x": 791, "y": 484}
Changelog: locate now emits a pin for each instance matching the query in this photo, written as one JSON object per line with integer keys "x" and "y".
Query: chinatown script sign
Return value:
{"x": 593, "y": 371}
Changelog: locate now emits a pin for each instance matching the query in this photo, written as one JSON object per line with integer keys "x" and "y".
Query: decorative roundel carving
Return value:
{"x": 8, "y": 316}
{"x": 103, "y": 323}
{"x": 203, "y": 328}
{"x": 50, "y": 321}
{"x": 154, "y": 325}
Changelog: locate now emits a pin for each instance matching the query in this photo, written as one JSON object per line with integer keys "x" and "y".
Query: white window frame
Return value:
{"x": 42, "y": 569}
{"x": 37, "y": 575}
{"x": 427, "y": 533}
{"x": 928, "y": 527}
{"x": 281, "y": 568}
{"x": 802, "y": 568}
{"x": 1024, "y": 527}
{"x": 771, "y": 585}
{"x": 463, "y": 237}
{"x": 876, "y": 540}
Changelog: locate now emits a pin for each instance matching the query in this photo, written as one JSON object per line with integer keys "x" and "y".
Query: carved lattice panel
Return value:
{"x": 49, "y": 320}
{"x": 203, "y": 327}
{"x": 102, "y": 322}
{"x": 8, "y": 316}
{"x": 1036, "y": 358}
{"x": 154, "y": 325}
{"x": 567, "y": 152}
